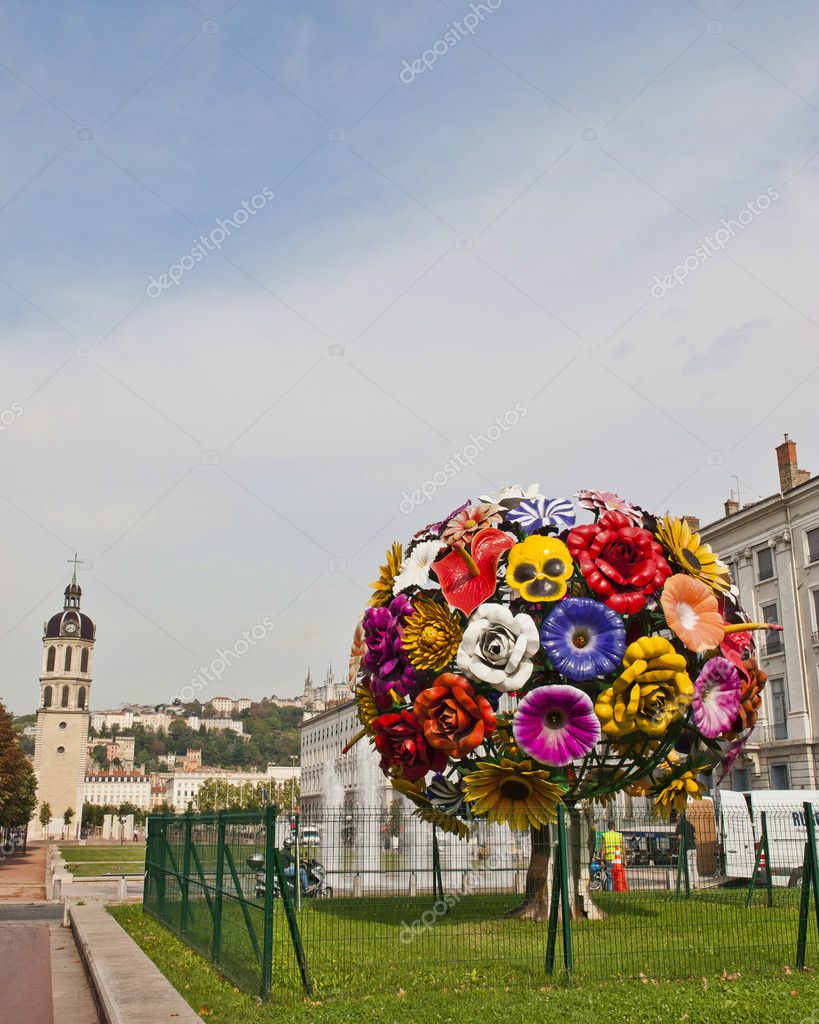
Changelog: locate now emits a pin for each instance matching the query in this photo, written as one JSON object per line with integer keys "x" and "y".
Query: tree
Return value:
{"x": 45, "y": 815}
{"x": 100, "y": 754}
{"x": 68, "y": 814}
{"x": 18, "y": 786}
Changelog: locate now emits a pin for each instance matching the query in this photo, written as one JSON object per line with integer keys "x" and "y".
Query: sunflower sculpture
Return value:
{"x": 512, "y": 658}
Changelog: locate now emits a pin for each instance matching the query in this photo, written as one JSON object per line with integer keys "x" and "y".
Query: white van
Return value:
{"x": 740, "y": 820}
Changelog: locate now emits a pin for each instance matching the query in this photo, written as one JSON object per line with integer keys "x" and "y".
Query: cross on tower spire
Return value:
{"x": 74, "y": 560}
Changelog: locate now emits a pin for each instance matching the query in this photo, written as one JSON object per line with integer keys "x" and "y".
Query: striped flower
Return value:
{"x": 542, "y": 514}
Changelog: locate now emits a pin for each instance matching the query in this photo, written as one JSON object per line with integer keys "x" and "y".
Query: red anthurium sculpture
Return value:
{"x": 468, "y": 578}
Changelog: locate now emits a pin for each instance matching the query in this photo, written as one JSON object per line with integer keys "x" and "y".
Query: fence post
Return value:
{"x": 437, "y": 878}
{"x": 560, "y": 900}
{"x": 267, "y": 947}
{"x": 682, "y": 862}
{"x": 186, "y": 872}
{"x": 761, "y": 850}
{"x": 296, "y": 851}
{"x": 160, "y": 845}
{"x": 292, "y": 922}
{"x": 810, "y": 879}
{"x": 563, "y": 850}
{"x": 219, "y": 885}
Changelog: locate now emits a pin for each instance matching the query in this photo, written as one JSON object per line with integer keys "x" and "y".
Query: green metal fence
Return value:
{"x": 384, "y": 900}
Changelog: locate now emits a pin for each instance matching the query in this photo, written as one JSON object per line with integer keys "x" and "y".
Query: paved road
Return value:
{"x": 30, "y": 912}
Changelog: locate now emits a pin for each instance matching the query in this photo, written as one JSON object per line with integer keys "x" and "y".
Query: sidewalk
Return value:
{"x": 22, "y": 876}
{"x": 42, "y": 980}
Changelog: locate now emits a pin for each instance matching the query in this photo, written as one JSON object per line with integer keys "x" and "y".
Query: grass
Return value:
{"x": 781, "y": 995}
{"x": 93, "y": 861}
{"x": 405, "y": 944}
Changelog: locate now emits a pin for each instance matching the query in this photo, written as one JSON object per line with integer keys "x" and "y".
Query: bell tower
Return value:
{"x": 62, "y": 715}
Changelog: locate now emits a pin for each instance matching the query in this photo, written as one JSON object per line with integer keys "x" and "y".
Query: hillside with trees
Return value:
{"x": 273, "y": 739}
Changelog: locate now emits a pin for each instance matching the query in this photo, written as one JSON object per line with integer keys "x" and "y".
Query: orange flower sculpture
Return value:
{"x": 692, "y": 612}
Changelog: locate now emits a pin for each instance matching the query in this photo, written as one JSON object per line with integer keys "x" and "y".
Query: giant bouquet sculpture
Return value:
{"x": 627, "y": 661}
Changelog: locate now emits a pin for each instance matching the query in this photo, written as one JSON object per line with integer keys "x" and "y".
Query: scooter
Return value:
{"x": 317, "y": 887}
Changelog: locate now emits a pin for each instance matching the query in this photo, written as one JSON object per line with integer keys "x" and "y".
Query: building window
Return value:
{"x": 81, "y": 697}
{"x": 47, "y": 696}
{"x": 741, "y": 779}
{"x": 68, "y": 659}
{"x": 63, "y": 725}
{"x": 764, "y": 564}
{"x": 50, "y": 659}
{"x": 814, "y": 594}
{"x": 773, "y": 639}
{"x": 779, "y": 710}
{"x": 64, "y": 701}
{"x": 813, "y": 544}
{"x": 60, "y": 750}
{"x": 780, "y": 777}
{"x": 84, "y": 660}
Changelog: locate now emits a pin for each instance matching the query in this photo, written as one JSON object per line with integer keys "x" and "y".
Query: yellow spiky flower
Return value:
{"x": 384, "y": 584}
{"x": 673, "y": 791}
{"x": 432, "y": 634}
{"x": 513, "y": 792}
{"x": 692, "y": 555}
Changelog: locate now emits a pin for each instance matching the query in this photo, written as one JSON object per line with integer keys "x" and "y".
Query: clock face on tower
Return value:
{"x": 71, "y": 627}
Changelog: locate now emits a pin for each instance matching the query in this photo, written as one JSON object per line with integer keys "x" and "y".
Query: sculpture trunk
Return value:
{"x": 537, "y": 895}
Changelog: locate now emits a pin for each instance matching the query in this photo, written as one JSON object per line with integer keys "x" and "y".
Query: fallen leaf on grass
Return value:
{"x": 705, "y": 984}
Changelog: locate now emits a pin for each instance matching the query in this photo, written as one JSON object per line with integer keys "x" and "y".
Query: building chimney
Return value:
{"x": 693, "y": 523}
{"x": 731, "y": 505}
{"x": 790, "y": 475}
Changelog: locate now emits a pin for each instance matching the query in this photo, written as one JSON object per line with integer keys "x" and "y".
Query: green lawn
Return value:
{"x": 93, "y": 861}
{"x": 401, "y": 942}
{"x": 777, "y": 995}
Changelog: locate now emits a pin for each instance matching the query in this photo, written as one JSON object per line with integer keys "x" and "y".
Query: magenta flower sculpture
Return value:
{"x": 556, "y": 724}
{"x": 716, "y": 697}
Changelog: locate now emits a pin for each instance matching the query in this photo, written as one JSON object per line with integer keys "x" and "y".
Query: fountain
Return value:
{"x": 331, "y": 822}
{"x": 368, "y": 805}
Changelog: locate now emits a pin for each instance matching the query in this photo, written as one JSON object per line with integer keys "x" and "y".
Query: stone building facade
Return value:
{"x": 772, "y": 548}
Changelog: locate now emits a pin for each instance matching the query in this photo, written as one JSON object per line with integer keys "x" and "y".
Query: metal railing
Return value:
{"x": 386, "y": 900}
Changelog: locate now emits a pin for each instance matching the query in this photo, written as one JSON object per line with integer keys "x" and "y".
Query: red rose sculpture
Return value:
{"x": 453, "y": 717}
{"x": 400, "y": 741}
{"x": 620, "y": 562}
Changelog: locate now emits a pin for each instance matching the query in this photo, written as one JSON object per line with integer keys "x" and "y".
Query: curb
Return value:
{"x": 128, "y": 988}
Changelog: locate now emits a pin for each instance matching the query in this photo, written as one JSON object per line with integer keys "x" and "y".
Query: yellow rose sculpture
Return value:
{"x": 653, "y": 690}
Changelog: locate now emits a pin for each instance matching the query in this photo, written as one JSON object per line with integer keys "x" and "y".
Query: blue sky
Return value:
{"x": 436, "y": 250}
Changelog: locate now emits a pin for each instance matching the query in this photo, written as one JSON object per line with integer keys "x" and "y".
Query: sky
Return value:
{"x": 281, "y": 283}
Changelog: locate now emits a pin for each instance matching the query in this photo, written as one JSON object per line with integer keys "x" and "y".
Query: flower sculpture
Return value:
{"x": 515, "y": 656}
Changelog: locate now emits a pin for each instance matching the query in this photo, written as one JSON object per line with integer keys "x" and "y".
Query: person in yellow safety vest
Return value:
{"x": 611, "y": 843}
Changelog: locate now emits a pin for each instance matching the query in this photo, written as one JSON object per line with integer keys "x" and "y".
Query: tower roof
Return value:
{"x": 70, "y": 622}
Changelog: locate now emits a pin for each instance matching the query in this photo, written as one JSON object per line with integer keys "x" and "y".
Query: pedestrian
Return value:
{"x": 686, "y": 829}
{"x": 611, "y": 843}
